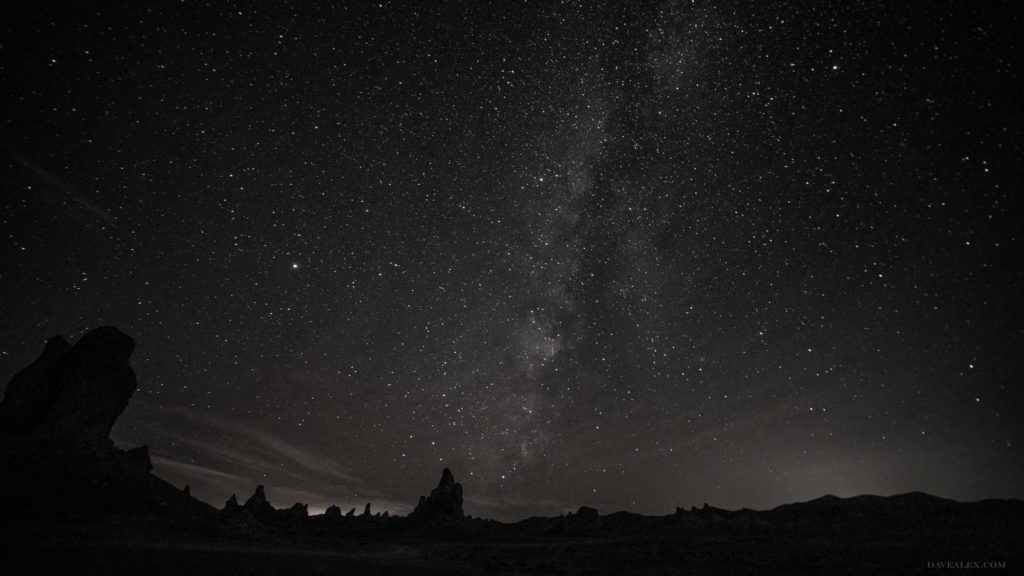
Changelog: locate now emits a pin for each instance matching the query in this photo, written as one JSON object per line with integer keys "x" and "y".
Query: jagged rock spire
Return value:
{"x": 257, "y": 503}
{"x": 445, "y": 501}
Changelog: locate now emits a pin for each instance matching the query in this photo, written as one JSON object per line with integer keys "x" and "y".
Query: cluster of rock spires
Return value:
{"x": 444, "y": 503}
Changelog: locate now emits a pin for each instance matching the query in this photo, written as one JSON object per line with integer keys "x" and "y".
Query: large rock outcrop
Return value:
{"x": 444, "y": 502}
{"x": 71, "y": 392}
{"x": 57, "y": 462}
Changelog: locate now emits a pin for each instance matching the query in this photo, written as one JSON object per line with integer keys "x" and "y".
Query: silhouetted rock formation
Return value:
{"x": 232, "y": 504}
{"x": 298, "y": 510}
{"x": 257, "y": 504}
{"x": 187, "y": 490}
{"x": 585, "y": 517}
{"x": 366, "y": 511}
{"x": 332, "y": 513}
{"x": 351, "y": 513}
{"x": 56, "y": 457}
{"x": 445, "y": 501}
{"x": 72, "y": 392}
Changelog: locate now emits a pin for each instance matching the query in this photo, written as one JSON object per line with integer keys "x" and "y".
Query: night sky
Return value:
{"x": 628, "y": 255}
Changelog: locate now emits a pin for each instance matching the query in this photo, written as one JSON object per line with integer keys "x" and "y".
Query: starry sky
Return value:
{"x": 631, "y": 255}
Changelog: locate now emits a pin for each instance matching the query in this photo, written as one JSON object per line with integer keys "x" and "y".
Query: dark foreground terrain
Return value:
{"x": 105, "y": 551}
{"x": 621, "y": 545}
{"x": 72, "y": 503}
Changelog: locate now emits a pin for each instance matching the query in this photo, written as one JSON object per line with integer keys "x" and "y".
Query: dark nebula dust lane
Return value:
{"x": 627, "y": 255}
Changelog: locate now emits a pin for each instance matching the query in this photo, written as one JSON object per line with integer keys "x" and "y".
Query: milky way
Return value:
{"x": 628, "y": 255}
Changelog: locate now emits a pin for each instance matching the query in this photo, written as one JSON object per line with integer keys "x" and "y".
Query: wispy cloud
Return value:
{"x": 252, "y": 446}
{"x": 192, "y": 469}
{"x": 308, "y": 459}
{"x": 220, "y": 455}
